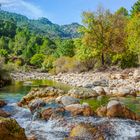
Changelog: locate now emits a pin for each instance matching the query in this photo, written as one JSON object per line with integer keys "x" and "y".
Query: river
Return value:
{"x": 59, "y": 129}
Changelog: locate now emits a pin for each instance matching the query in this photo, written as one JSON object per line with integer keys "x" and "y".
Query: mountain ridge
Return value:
{"x": 43, "y": 26}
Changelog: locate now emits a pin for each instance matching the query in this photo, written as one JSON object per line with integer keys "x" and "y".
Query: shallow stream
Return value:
{"x": 59, "y": 129}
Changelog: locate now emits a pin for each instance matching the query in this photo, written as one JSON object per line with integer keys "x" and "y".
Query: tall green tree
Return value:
{"x": 123, "y": 11}
{"x": 133, "y": 39}
{"x": 65, "y": 48}
{"x": 135, "y": 8}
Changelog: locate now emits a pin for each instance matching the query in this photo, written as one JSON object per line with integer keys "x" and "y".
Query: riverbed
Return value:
{"x": 59, "y": 129}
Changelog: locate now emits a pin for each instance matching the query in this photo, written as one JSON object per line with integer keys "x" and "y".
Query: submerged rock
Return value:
{"x": 115, "y": 109}
{"x": 36, "y": 104}
{"x": 4, "y": 114}
{"x": 2, "y": 103}
{"x": 10, "y": 130}
{"x": 85, "y": 132}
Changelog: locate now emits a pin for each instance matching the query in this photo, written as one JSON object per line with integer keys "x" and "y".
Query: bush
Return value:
{"x": 47, "y": 65}
{"x": 37, "y": 60}
{"x": 129, "y": 60}
{"x": 126, "y": 60}
{"x": 70, "y": 64}
{"x": 10, "y": 67}
{"x": 3, "y": 52}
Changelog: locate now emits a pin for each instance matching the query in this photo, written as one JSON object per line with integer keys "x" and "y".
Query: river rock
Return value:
{"x": 85, "y": 132}
{"x": 4, "y": 114}
{"x": 82, "y": 93}
{"x": 10, "y": 130}
{"x": 32, "y": 138}
{"x": 124, "y": 91}
{"x": 102, "y": 82}
{"x": 44, "y": 93}
{"x": 99, "y": 90}
{"x": 136, "y": 73}
{"x": 36, "y": 104}
{"x": 78, "y": 109}
{"x": 2, "y": 103}
{"x": 53, "y": 113}
{"x": 115, "y": 109}
{"x": 68, "y": 100}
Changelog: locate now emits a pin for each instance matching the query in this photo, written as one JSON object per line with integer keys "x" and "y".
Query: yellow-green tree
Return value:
{"x": 104, "y": 32}
{"x": 133, "y": 31}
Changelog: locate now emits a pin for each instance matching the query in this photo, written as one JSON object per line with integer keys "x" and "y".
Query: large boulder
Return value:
{"x": 68, "y": 100}
{"x": 78, "y": 109}
{"x": 82, "y": 93}
{"x": 115, "y": 109}
{"x": 10, "y": 130}
{"x": 4, "y": 114}
{"x": 85, "y": 132}
{"x": 2, "y": 103}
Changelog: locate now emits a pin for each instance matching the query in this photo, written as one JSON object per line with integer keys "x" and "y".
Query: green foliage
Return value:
{"x": 41, "y": 26}
{"x": 47, "y": 65}
{"x": 129, "y": 59}
{"x": 37, "y": 60}
{"x": 135, "y": 8}
{"x": 122, "y": 11}
{"x": 48, "y": 47}
{"x": 65, "y": 48}
{"x": 105, "y": 39}
{"x": 3, "y": 52}
{"x": 133, "y": 30}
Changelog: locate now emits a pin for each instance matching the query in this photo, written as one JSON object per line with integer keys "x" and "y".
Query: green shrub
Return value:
{"x": 37, "y": 60}
{"x": 70, "y": 64}
{"x": 125, "y": 60}
{"x": 3, "y": 53}
{"x": 10, "y": 67}
{"x": 47, "y": 65}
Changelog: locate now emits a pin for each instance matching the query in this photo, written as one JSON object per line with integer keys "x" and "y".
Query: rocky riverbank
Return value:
{"x": 24, "y": 76}
{"x": 116, "y": 83}
{"x": 121, "y": 83}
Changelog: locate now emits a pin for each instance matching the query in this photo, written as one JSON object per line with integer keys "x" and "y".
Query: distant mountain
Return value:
{"x": 42, "y": 26}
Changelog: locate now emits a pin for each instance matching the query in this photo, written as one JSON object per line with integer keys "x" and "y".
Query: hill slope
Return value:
{"x": 42, "y": 26}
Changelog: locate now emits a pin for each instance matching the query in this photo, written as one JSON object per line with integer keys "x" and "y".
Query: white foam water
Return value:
{"x": 115, "y": 129}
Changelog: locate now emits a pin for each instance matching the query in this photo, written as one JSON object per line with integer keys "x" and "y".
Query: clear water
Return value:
{"x": 59, "y": 129}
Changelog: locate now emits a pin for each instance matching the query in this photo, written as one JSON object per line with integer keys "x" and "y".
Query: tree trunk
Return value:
{"x": 103, "y": 59}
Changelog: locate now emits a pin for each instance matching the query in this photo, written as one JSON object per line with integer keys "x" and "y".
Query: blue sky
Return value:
{"x": 61, "y": 11}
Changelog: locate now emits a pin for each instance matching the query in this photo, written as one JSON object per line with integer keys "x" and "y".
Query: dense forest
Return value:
{"x": 105, "y": 39}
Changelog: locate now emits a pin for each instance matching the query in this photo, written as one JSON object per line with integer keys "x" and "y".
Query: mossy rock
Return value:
{"x": 11, "y": 130}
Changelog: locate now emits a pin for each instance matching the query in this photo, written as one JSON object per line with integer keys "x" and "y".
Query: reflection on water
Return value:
{"x": 17, "y": 90}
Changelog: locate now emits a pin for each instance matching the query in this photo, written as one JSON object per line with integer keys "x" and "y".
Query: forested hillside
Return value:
{"x": 106, "y": 39}
{"x": 42, "y": 26}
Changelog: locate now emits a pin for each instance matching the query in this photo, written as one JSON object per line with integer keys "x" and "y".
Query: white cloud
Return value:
{"x": 23, "y": 7}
